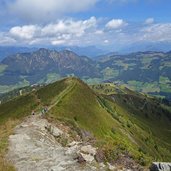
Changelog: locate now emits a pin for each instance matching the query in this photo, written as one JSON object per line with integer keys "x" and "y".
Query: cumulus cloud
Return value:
{"x": 5, "y": 39}
{"x": 58, "y": 42}
{"x": 56, "y": 33}
{"x": 115, "y": 24}
{"x": 69, "y": 27}
{"x": 149, "y": 21}
{"x": 91, "y": 31}
{"x": 24, "y": 32}
{"x": 157, "y": 32}
{"x": 44, "y": 10}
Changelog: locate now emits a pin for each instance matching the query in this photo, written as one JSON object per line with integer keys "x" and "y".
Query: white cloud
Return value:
{"x": 149, "y": 21}
{"x": 106, "y": 41}
{"x": 87, "y": 32}
{"x": 44, "y": 10}
{"x": 115, "y": 24}
{"x": 77, "y": 28}
{"x": 24, "y": 32}
{"x": 56, "y": 33}
{"x": 58, "y": 42}
{"x": 5, "y": 39}
{"x": 157, "y": 32}
{"x": 99, "y": 32}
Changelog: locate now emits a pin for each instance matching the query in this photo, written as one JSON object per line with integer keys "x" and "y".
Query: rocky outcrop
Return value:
{"x": 54, "y": 130}
{"x": 35, "y": 145}
{"x": 86, "y": 153}
{"x": 160, "y": 166}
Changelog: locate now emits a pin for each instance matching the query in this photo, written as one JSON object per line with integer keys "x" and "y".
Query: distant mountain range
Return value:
{"x": 10, "y": 50}
{"x": 36, "y": 65}
{"x": 90, "y": 51}
{"x": 147, "y": 72}
{"x": 146, "y": 46}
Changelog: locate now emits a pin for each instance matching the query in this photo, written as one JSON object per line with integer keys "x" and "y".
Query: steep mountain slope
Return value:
{"x": 30, "y": 68}
{"x": 10, "y": 50}
{"x": 125, "y": 125}
{"x": 146, "y": 112}
{"x": 147, "y": 72}
{"x": 90, "y": 51}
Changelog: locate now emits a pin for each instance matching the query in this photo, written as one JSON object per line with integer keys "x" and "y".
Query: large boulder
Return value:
{"x": 85, "y": 157}
{"x": 80, "y": 159}
{"x": 160, "y": 166}
{"x": 88, "y": 149}
{"x": 86, "y": 154}
{"x": 54, "y": 130}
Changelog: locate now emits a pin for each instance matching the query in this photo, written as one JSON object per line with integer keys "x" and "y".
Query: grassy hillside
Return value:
{"x": 147, "y": 72}
{"x": 122, "y": 121}
{"x": 111, "y": 120}
{"x": 80, "y": 105}
{"x": 146, "y": 120}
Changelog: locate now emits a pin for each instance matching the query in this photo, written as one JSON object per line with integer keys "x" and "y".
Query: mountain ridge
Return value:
{"x": 37, "y": 64}
{"x": 115, "y": 123}
{"x": 147, "y": 72}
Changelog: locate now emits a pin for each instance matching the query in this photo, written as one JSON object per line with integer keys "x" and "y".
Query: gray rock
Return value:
{"x": 87, "y": 157}
{"x": 34, "y": 147}
{"x": 86, "y": 153}
{"x": 88, "y": 149}
{"x": 56, "y": 132}
{"x": 160, "y": 166}
{"x": 80, "y": 159}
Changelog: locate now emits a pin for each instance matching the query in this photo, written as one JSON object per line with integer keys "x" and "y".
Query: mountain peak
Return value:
{"x": 68, "y": 52}
{"x": 43, "y": 62}
{"x": 43, "y": 51}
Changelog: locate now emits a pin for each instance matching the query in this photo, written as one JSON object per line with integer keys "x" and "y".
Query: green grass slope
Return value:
{"x": 122, "y": 121}
{"x": 144, "y": 118}
{"x": 81, "y": 105}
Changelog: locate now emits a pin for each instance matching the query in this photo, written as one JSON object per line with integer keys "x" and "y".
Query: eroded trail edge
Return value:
{"x": 34, "y": 146}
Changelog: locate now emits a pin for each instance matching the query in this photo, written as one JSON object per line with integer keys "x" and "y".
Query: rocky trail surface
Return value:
{"x": 34, "y": 146}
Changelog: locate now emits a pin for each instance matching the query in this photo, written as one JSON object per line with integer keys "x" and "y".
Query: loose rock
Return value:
{"x": 160, "y": 166}
{"x": 34, "y": 147}
{"x": 88, "y": 150}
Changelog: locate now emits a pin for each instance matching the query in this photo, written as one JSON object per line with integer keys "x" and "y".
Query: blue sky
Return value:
{"x": 104, "y": 23}
{"x": 132, "y": 10}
